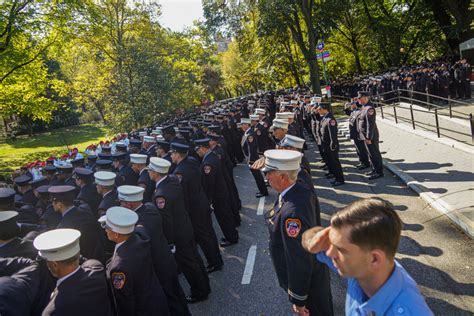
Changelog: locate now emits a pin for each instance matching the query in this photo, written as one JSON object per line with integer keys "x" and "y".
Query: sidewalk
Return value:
{"x": 442, "y": 175}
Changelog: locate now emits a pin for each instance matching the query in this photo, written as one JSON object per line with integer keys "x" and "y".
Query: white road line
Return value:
{"x": 261, "y": 205}
{"x": 249, "y": 265}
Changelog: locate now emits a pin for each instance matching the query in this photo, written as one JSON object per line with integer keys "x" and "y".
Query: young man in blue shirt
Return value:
{"x": 360, "y": 245}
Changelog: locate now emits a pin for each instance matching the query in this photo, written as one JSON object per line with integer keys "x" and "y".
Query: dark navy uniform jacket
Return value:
{"x": 189, "y": 174}
{"x": 250, "y": 146}
{"x": 89, "y": 195}
{"x": 19, "y": 284}
{"x": 287, "y": 221}
{"x": 29, "y": 198}
{"x": 169, "y": 199}
{"x": 18, "y": 247}
{"x": 82, "y": 293}
{"x": 108, "y": 200}
{"x": 353, "y": 128}
{"x": 129, "y": 177}
{"x": 150, "y": 224}
{"x": 328, "y": 128}
{"x": 134, "y": 285}
{"x": 83, "y": 220}
{"x": 366, "y": 123}
{"x": 148, "y": 184}
{"x": 213, "y": 178}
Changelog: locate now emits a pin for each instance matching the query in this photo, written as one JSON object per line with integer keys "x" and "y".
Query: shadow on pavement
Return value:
{"x": 411, "y": 247}
{"x": 436, "y": 279}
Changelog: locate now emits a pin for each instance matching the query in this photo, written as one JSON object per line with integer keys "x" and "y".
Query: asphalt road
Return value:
{"x": 435, "y": 253}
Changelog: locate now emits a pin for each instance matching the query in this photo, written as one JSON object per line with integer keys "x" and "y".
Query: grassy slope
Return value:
{"x": 14, "y": 154}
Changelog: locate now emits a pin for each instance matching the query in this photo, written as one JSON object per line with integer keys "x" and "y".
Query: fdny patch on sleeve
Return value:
{"x": 259, "y": 132}
{"x": 118, "y": 280}
{"x": 179, "y": 176}
{"x": 333, "y": 122}
{"x": 207, "y": 169}
{"x": 160, "y": 202}
{"x": 371, "y": 111}
{"x": 250, "y": 139}
{"x": 293, "y": 227}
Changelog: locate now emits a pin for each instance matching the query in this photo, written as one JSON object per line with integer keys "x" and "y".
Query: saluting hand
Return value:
{"x": 300, "y": 310}
{"x": 316, "y": 239}
{"x": 258, "y": 164}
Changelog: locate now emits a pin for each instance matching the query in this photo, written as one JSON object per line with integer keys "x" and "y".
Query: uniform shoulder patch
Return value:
{"x": 259, "y": 132}
{"x": 160, "y": 202}
{"x": 179, "y": 176}
{"x": 118, "y": 280}
{"x": 207, "y": 169}
{"x": 250, "y": 138}
{"x": 371, "y": 111}
{"x": 293, "y": 227}
{"x": 333, "y": 122}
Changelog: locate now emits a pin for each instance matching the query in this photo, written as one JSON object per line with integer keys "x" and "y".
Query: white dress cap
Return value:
{"x": 294, "y": 102}
{"x": 244, "y": 120}
{"x": 280, "y": 123}
{"x": 6, "y": 215}
{"x": 260, "y": 111}
{"x": 292, "y": 141}
{"x": 281, "y": 159}
{"x": 281, "y": 116}
{"x": 105, "y": 178}
{"x": 148, "y": 139}
{"x": 290, "y": 114}
{"x": 130, "y": 193}
{"x": 120, "y": 220}
{"x": 159, "y": 165}
{"x": 138, "y": 158}
{"x": 142, "y": 133}
{"x": 254, "y": 117}
{"x": 58, "y": 244}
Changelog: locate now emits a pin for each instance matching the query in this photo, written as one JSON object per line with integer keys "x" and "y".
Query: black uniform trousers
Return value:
{"x": 205, "y": 237}
{"x": 333, "y": 163}
{"x": 375, "y": 156}
{"x": 225, "y": 219}
{"x": 362, "y": 152}
{"x": 257, "y": 175}
{"x": 320, "y": 304}
{"x": 190, "y": 263}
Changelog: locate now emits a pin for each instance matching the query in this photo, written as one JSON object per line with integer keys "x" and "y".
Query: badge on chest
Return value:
{"x": 293, "y": 227}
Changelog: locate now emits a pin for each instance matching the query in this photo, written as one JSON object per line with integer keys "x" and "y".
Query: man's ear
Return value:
{"x": 378, "y": 258}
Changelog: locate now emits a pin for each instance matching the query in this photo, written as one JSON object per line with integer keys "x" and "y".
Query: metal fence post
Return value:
{"x": 398, "y": 94}
{"x": 428, "y": 100}
{"x": 412, "y": 118}
{"x": 450, "y": 107}
{"x": 395, "y": 114}
{"x": 471, "y": 120}
{"x": 437, "y": 123}
{"x": 381, "y": 111}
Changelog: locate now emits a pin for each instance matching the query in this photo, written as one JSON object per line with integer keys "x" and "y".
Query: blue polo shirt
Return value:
{"x": 398, "y": 296}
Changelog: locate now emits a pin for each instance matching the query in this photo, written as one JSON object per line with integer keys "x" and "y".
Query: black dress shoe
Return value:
{"x": 337, "y": 183}
{"x": 375, "y": 176}
{"x": 259, "y": 195}
{"x": 329, "y": 175}
{"x": 215, "y": 268}
{"x": 325, "y": 167}
{"x": 194, "y": 299}
{"x": 369, "y": 173}
{"x": 362, "y": 167}
{"x": 227, "y": 243}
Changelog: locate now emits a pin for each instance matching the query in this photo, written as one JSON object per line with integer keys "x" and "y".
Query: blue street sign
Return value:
{"x": 320, "y": 46}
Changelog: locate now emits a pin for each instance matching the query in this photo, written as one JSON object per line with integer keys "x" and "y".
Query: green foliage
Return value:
{"x": 15, "y": 153}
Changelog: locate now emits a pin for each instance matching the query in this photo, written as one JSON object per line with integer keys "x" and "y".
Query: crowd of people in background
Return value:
{"x": 107, "y": 231}
{"x": 446, "y": 78}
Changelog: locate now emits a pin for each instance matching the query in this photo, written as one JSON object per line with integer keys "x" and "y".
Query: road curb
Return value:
{"x": 432, "y": 199}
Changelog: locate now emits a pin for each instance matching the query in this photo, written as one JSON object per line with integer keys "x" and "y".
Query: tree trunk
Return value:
{"x": 314, "y": 74}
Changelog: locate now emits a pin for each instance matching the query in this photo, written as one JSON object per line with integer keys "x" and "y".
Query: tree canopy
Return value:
{"x": 112, "y": 61}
